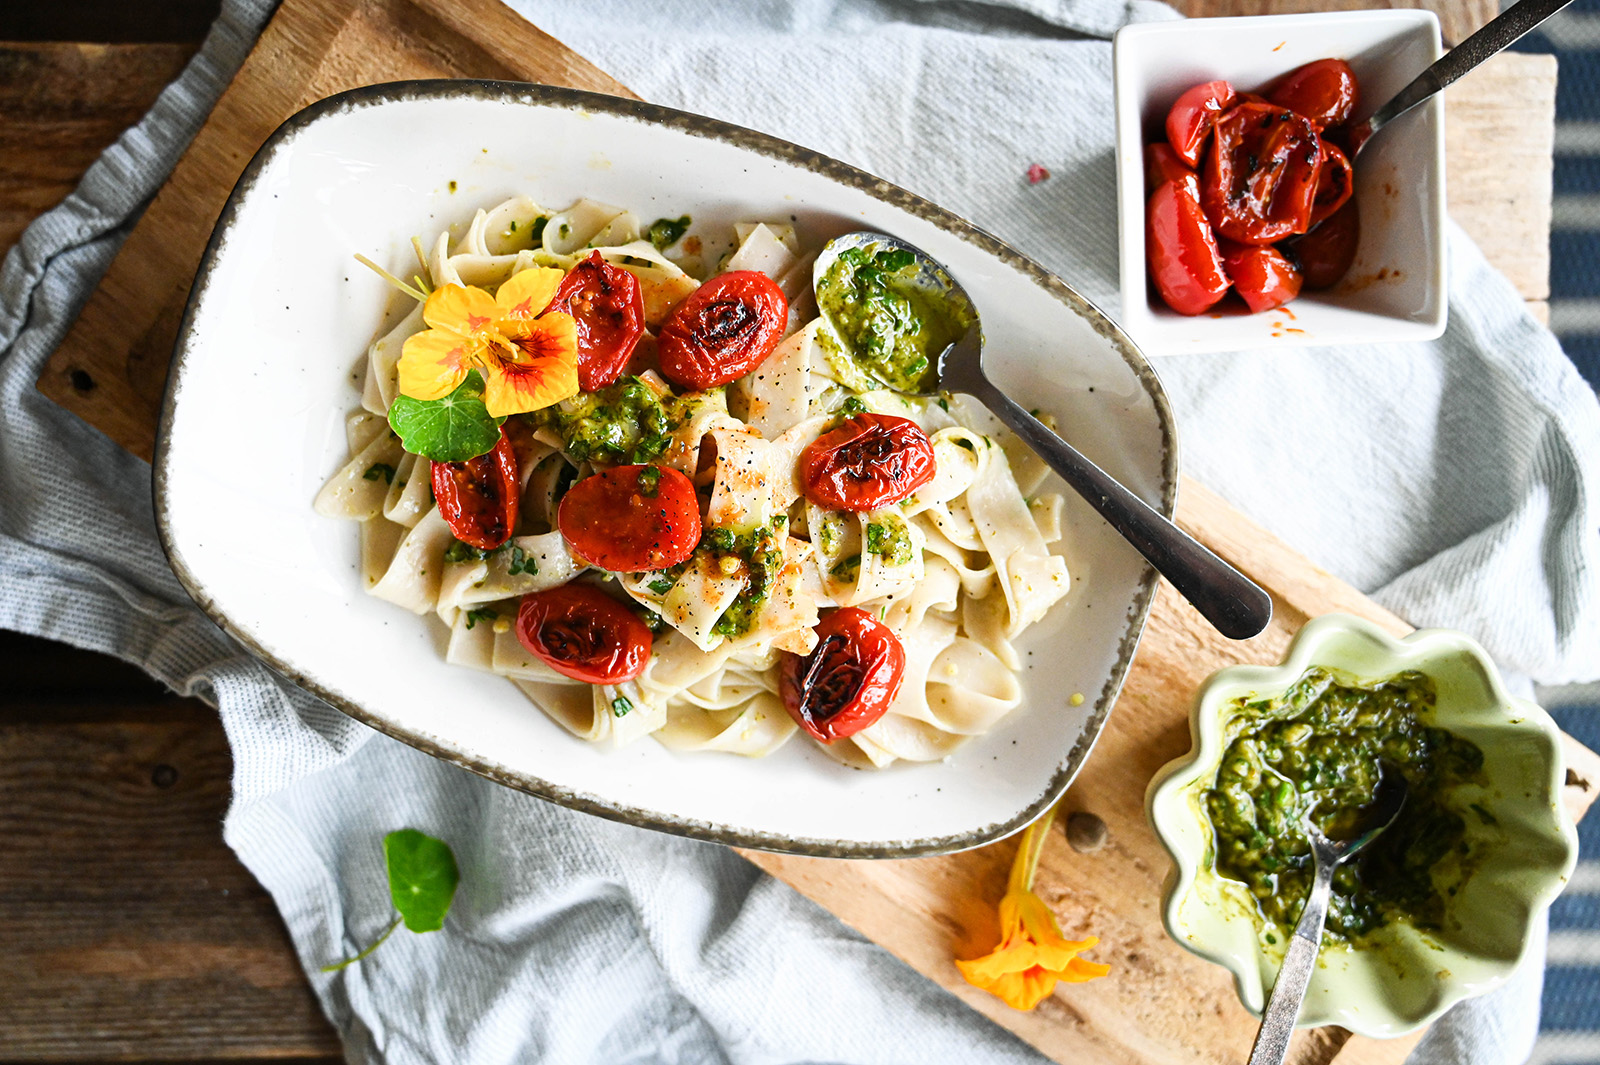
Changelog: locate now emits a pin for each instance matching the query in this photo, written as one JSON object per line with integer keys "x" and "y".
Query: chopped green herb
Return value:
{"x": 620, "y": 706}
{"x": 537, "y": 233}
{"x": 890, "y": 542}
{"x": 1484, "y": 815}
{"x": 458, "y": 551}
{"x": 513, "y": 225}
{"x": 452, "y": 186}
{"x": 846, "y": 568}
{"x": 521, "y": 563}
{"x": 661, "y": 585}
{"x": 853, "y": 405}
{"x": 664, "y": 232}
{"x": 649, "y": 482}
{"x": 481, "y": 613}
{"x": 379, "y": 469}
{"x": 719, "y": 538}
{"x": 944, "y": 404}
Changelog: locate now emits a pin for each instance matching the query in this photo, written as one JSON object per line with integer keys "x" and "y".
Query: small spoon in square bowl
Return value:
{"x": 1229, "y": 600}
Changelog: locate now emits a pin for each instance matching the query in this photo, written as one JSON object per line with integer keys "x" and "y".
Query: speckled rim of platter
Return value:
{"x": 547, "y": 96}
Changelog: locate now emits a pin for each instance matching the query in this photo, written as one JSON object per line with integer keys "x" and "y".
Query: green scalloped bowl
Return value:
{"x": 1399, "y": 979}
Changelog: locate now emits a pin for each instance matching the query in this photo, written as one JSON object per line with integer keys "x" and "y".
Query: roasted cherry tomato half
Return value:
{"x": 1324, "y": 255}
{"x": 1324, "y": 91}
{"x": 1260, "y": 274}
{"x": 581, "y": 632}
{"x": 631, "y": 518}
{"x": 1192, "y": 116}
{"x": 1161, "y": 165}
{"x": 722, "y": 330}
{"x": 478, "y": 498}
{"x": 1181, "y": 249}
{"x": 1261, "y": 174}
{"x": 1335, "y": 183}
{"x": 870, "y": 461}
{"x": 605, "y": 302}
{"x": 848, "y": 680}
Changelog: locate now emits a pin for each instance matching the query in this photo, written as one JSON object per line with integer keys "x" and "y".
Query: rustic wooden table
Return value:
{"x": 132, "y": 931}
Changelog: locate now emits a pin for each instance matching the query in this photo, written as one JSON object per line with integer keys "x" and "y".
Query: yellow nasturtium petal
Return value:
{"x": 460, "y": 309}
{"x": 526, "y": 294}
{"x": 539, "y": 367}
{"x": 1032, "y": 956}
{"x": 434, "y": 362}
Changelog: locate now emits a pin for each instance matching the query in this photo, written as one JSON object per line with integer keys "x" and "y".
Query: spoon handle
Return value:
{"x": 1294, "y": 975}
{"x": 1227, "y": 598}
{"x": 1495, "y": 36}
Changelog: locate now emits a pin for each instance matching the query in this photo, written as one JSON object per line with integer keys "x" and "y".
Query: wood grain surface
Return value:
{"x": 63, "y": 105}
{"x": 133, "y": 910}
{"x": 129, "y": 928}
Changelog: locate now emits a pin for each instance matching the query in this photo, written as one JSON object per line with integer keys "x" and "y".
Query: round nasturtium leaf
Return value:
{"x": 422, "y": 878}
{"x": 453, "y": 428}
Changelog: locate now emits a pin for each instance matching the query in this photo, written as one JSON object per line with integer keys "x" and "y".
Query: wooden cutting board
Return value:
{"x": 1161, "y": 1004}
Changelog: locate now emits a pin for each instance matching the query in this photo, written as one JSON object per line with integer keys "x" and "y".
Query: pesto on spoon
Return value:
{"x": 871, "y": 342}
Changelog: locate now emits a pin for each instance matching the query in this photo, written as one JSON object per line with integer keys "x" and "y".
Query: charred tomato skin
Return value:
{"x": 870, "y": 461}
{"x": 608, "y": 307}
{"x": 478, "y": 498}
{"x": 848, "y": 681}
{"x": 722, "y": 330}
{"x": 631, "y": 518}
{"x": 581, "y": 632}
{"x": 1260, "y": 177}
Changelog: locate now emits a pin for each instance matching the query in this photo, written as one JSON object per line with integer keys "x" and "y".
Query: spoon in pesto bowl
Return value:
{"x": 929, "y": 302}
{"x": 1300, "y": 959}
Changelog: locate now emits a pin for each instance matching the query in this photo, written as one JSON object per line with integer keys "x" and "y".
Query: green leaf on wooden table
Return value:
{"x": 452, "y": 428}
{"x": 422, "y": 878}
{"x": 422, "y": 884}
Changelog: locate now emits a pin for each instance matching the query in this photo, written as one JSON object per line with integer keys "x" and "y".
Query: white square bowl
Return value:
{"x": 253, "y": 423}
{"x": 1395, "y": 289}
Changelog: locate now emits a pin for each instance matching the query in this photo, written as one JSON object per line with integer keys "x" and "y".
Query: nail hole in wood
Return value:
{"x": 82, "y": 381}
{"x": 1086, "y": 832}
{"x": 164, "y": 776}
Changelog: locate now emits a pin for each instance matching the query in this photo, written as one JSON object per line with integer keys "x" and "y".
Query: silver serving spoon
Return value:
{"x": 1300, "y": 959}
{"x": 1496, "y": 35}
{"x": 1236, "y": 605}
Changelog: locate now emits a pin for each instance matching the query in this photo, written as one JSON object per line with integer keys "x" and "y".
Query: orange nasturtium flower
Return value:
{"x": 527, "y": 362}
{"x": 1032, "y": 957}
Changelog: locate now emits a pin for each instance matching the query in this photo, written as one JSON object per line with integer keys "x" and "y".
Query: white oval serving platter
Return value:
{"x": 281, "y": 314}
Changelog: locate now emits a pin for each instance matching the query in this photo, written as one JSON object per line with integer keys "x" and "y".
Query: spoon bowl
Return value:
{"x": 1230, "y": 601}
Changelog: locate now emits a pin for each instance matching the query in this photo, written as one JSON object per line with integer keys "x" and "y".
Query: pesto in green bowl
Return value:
{"x": 1459, "y": 922}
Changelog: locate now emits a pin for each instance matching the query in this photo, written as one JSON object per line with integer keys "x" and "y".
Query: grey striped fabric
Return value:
{"x": 1456, "y": 480}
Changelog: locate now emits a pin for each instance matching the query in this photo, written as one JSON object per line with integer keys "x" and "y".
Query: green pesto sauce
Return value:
{"x": 891, "y": 328}
{"x": 624, "y": 422}
{"x": 759, "y": 549}
{"x": 1322, "y": 740}
{"x": 890, "y": 540}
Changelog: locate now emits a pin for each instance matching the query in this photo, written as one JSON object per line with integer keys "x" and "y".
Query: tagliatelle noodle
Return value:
{"x": 967, "y": 570}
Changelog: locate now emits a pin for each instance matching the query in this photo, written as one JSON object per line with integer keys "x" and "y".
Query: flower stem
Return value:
{"x": 1033, "y": 840}
{"x": 336, "y": 966}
